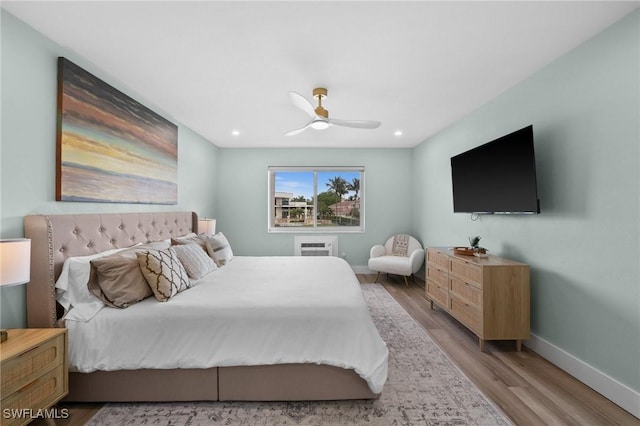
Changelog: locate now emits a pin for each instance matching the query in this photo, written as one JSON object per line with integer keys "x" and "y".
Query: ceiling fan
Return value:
{"x": 320, "y": 117}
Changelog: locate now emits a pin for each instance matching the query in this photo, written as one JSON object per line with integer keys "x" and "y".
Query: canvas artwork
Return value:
{"x": 111, "y": 148}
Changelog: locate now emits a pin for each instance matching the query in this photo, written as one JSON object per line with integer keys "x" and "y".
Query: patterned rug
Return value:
{"x": 424, "y": 387}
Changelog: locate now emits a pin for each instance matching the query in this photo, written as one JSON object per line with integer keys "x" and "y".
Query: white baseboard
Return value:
{"x": 617, "y": 392}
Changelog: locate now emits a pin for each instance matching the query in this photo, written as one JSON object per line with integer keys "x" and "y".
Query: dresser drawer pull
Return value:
{"x": 28, "y": 352}
{"x": 27, "y": 386}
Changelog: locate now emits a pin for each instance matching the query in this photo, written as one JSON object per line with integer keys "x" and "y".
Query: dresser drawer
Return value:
{"x": 42, "y": 392}
{"x": 437, "y": 258}
{"x": 437, "y": 294}
{"x": 466, "y": 271}
{"x": 438, "y": 276}
{"x": 467, "y": 314}
{"x": 466, "y": 292}
{"x": 26, "y": 367}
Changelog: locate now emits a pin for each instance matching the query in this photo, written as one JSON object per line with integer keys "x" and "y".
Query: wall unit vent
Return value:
{"x": 315, "y": 245}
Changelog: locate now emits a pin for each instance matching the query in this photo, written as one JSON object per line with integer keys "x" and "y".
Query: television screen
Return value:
{"x": 497, "y": 177}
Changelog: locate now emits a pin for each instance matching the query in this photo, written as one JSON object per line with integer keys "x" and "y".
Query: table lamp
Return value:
{"x": 15, "y": 265}
{"x": 207, "y": 226}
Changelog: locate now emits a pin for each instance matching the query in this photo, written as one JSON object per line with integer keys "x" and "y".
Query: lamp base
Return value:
{"x": 3, "y": 335}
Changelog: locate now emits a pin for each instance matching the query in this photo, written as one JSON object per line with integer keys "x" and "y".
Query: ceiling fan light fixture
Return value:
{"x": 319, "y": 124}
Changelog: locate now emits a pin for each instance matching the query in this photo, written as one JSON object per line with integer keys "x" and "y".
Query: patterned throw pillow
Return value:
{"x": 196, "y": 262}
{"x": 400, "y": 245}
{"x": 219, "y": 248}
{"x": 164, "y": 273}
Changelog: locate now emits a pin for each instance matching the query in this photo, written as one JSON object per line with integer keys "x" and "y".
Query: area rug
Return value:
{"x": 424, "y": 387}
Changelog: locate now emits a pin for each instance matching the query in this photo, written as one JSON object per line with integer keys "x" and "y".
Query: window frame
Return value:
{"x": 271, "y": 191}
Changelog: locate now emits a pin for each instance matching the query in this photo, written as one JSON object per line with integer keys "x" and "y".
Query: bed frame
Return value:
{"x": 54, "y": 238}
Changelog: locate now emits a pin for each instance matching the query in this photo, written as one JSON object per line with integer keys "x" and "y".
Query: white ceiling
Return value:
{"x": 222, "y": 66}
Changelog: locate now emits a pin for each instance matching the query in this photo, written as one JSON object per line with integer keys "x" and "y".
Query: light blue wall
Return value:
{"x": 584, "y": 247}
{"x": 28, "y": 147}
{"x": 242, "y": 195}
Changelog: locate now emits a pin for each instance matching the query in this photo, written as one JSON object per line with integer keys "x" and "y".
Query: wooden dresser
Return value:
{"x": 490, "y": 295}
{"x": 33, "y": 373}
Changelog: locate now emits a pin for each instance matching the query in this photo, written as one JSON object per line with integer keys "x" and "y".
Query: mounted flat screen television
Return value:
{"x": 498, "y": 177}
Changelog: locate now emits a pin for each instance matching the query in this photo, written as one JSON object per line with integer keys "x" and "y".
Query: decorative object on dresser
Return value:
{"x": 474, "y": 242}
{"x": 402, "y": 255}
{"x": 474, "y": 248}
{"x": 34, "y": 373}
{"x": 15, "y": 265}
{"x": 489, "y": 295}
{"x": 463, "y": 251}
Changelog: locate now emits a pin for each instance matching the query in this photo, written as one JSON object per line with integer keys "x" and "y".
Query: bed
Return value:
{"x": 270, "y": 373}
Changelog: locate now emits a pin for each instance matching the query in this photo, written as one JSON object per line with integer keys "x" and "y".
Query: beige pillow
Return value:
{"x": 117, "y": 279}
{"x": 219, "y": 248}
{"x": 195, "y": 261}
{"x": 164, "y": 273}
{"x": 190, "y": 239}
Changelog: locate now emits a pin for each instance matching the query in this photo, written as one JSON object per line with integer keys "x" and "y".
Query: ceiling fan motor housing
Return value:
{"x": 320, "y": 93}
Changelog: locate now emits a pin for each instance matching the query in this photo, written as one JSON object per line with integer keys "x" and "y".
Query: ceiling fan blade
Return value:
{"x": 302, "y": 103}
{"x": 359, "y": 124}
{"x": 300, "y": 130}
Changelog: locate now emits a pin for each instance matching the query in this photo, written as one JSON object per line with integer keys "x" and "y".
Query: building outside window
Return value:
{"x": 316, "y": 198}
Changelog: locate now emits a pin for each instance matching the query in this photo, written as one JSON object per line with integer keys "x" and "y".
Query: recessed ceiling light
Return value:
{"x": 235, "y": 133}
{"x": 398, "y": 133}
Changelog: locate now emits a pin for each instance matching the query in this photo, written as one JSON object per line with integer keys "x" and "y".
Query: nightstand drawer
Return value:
{"x": 467, "y": 272}
{"x": 469, "y": 315}
{"x": 42, "y": 392}
{"x": 28, "y": 366}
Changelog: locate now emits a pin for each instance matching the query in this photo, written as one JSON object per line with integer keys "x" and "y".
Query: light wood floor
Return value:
{"x": 528, "y": 389}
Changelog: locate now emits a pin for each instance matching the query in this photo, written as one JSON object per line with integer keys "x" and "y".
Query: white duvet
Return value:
{"x": 252, "y": 311}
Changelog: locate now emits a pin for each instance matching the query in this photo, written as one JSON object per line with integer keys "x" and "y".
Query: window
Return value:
{"x": 309, "y": 199}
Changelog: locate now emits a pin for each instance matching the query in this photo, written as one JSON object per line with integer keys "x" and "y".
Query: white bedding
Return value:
{"x": 252, "y": 311}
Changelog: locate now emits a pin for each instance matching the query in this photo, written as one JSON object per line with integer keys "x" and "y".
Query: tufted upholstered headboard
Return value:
{"x": 54, "y": 238}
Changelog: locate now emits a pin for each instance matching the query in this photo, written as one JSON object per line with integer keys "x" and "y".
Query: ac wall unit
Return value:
{"x": 315, "y": 245}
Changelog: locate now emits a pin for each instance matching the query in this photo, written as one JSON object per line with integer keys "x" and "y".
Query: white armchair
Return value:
{"x": 400, "y": 255}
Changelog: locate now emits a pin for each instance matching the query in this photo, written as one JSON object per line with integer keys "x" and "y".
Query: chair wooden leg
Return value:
{"x": 377, "y": 276}
{"x": 406, "y": 283}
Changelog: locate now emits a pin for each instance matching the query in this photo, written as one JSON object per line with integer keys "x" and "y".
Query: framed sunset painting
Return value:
{"x": 110, "y": 148}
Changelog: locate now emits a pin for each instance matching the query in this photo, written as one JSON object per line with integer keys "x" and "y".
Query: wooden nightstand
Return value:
{"x": 34, "y": 374}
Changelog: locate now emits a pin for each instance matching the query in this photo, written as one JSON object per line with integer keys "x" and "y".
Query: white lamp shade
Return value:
{"x": 15, "y": 261}
{"x": 207, "y": 226}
